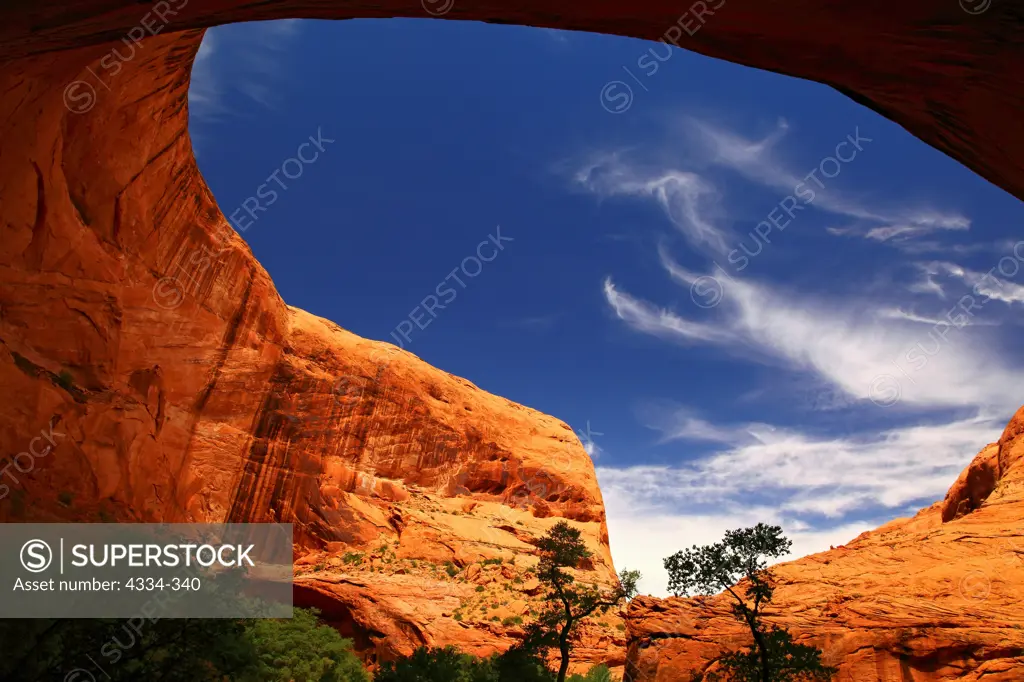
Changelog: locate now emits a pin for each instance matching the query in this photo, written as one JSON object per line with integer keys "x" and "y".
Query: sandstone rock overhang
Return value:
{"x": 138, "y": 331}
{"x": 952, "y": 73}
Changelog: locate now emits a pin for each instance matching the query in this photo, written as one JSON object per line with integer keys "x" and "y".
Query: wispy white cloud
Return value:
{"x": 647, "y": 318}
{"x": 931, "y": 320}
{"x": 683, "y": 424}
{"x": 948, "y": 250}
{"x": 987, "y": 285}
{"x": 822, "y": 491}
{"x": 238, "y": 64}
{"x": 686, "y": 198}
{"x": 843, "y": 342}
{"x": 756, "y": 160}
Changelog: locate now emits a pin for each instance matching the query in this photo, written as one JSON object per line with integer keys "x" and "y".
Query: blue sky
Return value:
{"x": 746, "y": 342}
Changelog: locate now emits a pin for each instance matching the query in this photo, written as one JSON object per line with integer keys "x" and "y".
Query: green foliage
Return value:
{"x": 519, "y": 664}
{"x": 446, "y": 664}
{"x": 300, "y": 648}
{"x": 479, "y": 588}
{"x": 743, "y": 555}
{"x": 566, "y": 602}
{"x": 65, "y": 380}
{"x": 178, "y": 650}
{"x": 451, "y": 665}
{"x": 787, "y": 660}
{"x": 599, "y": 673}
{"x": 492, "y": 562}
{"x": 716, "y": 567}
{"x": 350, "y": 558}
{"x": 451, "y": 569}
{"x": 167, "y": 650}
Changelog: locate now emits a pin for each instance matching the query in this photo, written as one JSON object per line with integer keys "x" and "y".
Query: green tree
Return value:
{"x": 180, "y": 650}
{"x": 301, "y": 648}
{"x": 446, "y": 664}
{"x": 568, "y": 602}
{"x": 743, "y": 556}
{"x": 520, "y": 664}
{"x": 599, "y": 673}
{"x": 177, "y": 650}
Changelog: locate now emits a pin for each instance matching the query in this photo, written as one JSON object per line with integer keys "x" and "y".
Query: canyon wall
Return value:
{"x": 151, "y": 372}
{"x": 932, "y": 598}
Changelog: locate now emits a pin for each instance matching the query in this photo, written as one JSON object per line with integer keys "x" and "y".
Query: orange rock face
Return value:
{"x": 151, "y": 372}
{"x": 931, "y": 598}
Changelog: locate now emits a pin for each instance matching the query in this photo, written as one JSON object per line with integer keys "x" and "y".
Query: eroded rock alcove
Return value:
{"x": 139, "y": 335}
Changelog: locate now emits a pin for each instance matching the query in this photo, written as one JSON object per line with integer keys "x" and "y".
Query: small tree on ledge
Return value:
{"x": 568, "y": 602}
{"x": 743, "y": 555}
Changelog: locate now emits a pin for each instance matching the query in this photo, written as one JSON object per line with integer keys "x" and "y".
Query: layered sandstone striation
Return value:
{"x": 151, "y": 372}
{"x": 931, "y": 598}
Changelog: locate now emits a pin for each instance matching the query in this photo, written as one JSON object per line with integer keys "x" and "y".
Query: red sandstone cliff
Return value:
{"x": 932, "y": 598}
{"x": 139, "y": 336}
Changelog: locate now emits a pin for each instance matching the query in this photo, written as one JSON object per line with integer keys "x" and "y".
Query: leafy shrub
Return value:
{"x": 182, "y": 650}
{"x": 435, "y": 665}
{"x": 450, "y": 665}
{"x": 599, "y": 673}
{"x": 300, "y": 648}
{"x": 65, "y": 380}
